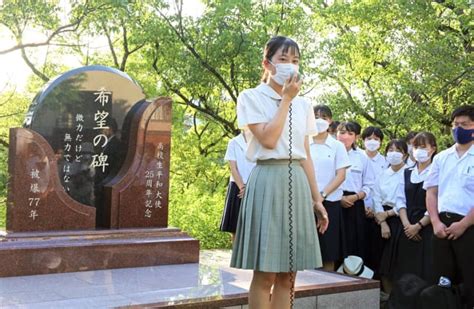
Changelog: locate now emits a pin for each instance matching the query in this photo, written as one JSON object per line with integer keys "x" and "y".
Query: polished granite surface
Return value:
{"x": 212, "y": 278}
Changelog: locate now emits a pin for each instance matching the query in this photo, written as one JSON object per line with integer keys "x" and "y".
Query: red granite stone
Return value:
{"x": 36, "y": 198}
{"x": 138, "y": 195}
{"x": 69, "y": 251}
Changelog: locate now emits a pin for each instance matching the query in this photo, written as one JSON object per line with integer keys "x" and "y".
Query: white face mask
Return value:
{"x": 322, "y": 125}
{"x": 421, "y": 155}
{"x": 394, "y": 157}
{"x": 283, "y": 72}
{"x": 372, "y": 144}
{"x": 410, "y": 149}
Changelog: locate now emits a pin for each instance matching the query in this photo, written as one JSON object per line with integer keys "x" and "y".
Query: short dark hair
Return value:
{"x": 333, "y": 126}
{"x": 273, "y": 45}
{"x": 410, "y": 135}
{"x": 464, "y": 110}
{"x": 399, "y": 144}
{"x": 369, "y": 131}
{"x": 324, "y": 110}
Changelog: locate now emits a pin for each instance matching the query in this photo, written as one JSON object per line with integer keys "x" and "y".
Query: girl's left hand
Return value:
{"x": 412, "y": 231}
{"x": 381, "y": 216}
{"x": 241, "y": 192}
{"x": 322, "y": 215}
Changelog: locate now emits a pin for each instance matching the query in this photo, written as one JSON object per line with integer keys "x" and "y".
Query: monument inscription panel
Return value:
{"x": 81, "y": 115}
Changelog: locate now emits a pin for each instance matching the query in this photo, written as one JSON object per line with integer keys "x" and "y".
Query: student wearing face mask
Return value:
{"x": 357, "y": 185}
{"x": 373, "y": 138}
{"x": 450, "y": 202}
{"x": 330, "y": 161}
{"x": 262, "y": 241}
{"x": 386, "y": 215}
{"x": 409, "y": 140}
{"x": 414, "y": 253}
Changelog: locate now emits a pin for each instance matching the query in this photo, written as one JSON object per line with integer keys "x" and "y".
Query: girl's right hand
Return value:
{"x": 346, "y": 202}
{"x": 385, "y": 230}
{"x": 369, "y": 212}
{"x": 241, "y": 192}
{"x": 322, "y": 215}
{"x": 439, "y": 229}
{"x": 291, "y": 88}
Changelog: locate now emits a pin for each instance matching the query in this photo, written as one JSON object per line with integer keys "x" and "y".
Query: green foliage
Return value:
{"x": 198, "y": 179}
{"x": 401, "y": 65}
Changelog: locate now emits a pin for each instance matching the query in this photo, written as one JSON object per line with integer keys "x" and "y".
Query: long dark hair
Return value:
{"x": 273, "y": 45}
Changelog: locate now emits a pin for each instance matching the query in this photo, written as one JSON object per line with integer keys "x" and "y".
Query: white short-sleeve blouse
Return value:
{"x": 260, "y": 105}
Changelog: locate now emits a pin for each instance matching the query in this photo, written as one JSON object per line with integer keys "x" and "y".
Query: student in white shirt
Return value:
{"x": 385, "y": 197}
{"x": 240, "y": 169}
{"x": 414, "y": 254}
{"x": 276, "y": 235}
{"x": 330, "y": 161}
{"x": 409, "y": 140}
{"x": 450, "y": 202}
{"x": 357, "y": 185}
{"x": 373, "y": 138}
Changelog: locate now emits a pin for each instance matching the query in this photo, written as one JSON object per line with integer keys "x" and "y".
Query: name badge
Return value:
{"x": 469, "y": 170}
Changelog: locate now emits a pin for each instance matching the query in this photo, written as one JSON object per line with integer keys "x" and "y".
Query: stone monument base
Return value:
{"x": 71, "y": 251}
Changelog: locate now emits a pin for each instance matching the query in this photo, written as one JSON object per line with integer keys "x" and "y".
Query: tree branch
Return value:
{"x": 111, "y": 44}
{"x": 354, "y": 103}
{"x": 198, "y": 57}
{"x": 32, "y": 66}
{"x": 71, "y": 27}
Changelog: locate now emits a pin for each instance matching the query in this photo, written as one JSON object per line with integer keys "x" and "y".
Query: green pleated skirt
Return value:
{"x": 262, "y": 239}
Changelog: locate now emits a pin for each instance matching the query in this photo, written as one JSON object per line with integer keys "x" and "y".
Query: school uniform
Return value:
{"x": 263, "y": 240}
{"x": 374, "y": 236}
{"x": 385, "y": 198}
{"x": 235, "y": 152}
{"x": 414, "y": 257}
{"x": 359, "y": 177}
{"x": 454, "y": 177}
{"x": 410, "y": 162}
{"x": 379, "y": 165}
{"x": 327, "y": 159}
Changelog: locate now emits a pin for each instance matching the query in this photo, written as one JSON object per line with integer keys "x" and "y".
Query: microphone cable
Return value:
{"x": 290, "y": 206}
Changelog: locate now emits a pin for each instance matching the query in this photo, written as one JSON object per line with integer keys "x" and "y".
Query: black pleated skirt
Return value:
{"x": 355, "y": 228}
{"x": 332, "y": 242}
{"x": 231, "y": 209}
{"x": 415, "y": 257}
{"x": 390, "y": 246}
{"x": 374, "y": 246}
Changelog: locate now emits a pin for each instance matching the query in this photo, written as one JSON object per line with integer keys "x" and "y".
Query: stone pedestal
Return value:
{"x": 69, "y": 251}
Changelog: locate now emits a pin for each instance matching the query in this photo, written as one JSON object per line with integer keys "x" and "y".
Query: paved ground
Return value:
{"x": 133, "y": 286}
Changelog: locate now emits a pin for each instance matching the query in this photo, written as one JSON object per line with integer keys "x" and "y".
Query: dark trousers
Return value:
{"x": 455, "y": 258}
